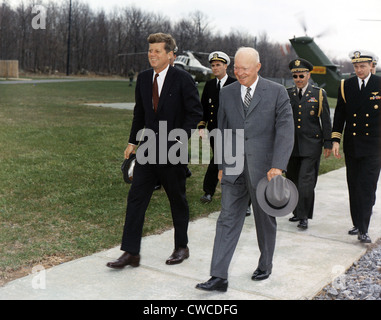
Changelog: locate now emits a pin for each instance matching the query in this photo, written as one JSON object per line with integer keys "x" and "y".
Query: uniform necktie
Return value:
{"x": 300, "y": 94}
{"x": 247, "y": 97}
{"x": 219, "y": 85}
{"x": 362, "y": 86}
{"x": 155, "y": 93}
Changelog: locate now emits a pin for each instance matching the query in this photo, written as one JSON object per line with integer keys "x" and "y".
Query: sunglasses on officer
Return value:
{"x": 296, "y": 76}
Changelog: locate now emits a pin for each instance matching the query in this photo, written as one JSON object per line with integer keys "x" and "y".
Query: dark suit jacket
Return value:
{"x": 313, "y": 127}
{"x": 210, "y": 103}
{"x": 360, "y": 113}
{"x": 179, "y": 105}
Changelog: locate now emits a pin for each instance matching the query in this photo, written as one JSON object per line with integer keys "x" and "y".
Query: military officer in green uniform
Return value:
{"x": 312, "y": 132}
{"x": 358, "y": 115}
{"x": 219, "y": 62}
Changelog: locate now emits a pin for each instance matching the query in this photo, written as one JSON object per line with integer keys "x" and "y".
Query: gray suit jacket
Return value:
{"x": 264, "y": 137}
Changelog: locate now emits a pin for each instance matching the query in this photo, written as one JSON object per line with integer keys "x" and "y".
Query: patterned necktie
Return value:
{"x": 247, "y": 98}
{"x": 155, "y": 93}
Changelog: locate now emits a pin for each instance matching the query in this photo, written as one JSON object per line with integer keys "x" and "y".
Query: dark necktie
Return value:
{"x": 362, "y": 86}
{"x": 247, "y": 97}
{"x": 300, "y": 94}
{"x": 219, "y": 85}
{"x": 155, "y": 93}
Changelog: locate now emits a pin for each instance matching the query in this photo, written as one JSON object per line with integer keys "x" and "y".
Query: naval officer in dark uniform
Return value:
{"x": 312, "y": 132}
{"x": 219, "y": 62}
{"x": 358, "y": 114}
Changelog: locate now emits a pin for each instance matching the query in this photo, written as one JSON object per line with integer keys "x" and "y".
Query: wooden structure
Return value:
{"x": 9, "y": 69}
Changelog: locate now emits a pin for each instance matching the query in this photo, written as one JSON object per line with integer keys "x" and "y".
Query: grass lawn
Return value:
{"x": 62, "y": 195}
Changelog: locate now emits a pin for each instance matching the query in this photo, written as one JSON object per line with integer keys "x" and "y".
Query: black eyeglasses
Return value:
{"x": 301, "y": 76}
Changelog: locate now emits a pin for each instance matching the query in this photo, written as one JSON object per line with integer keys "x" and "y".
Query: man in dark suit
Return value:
{"x": 313, "y": 130}
{"x": 219, "y": 62}
{"x": 358, "y": 114}
{"x": 167, "y": 100}
{"x": 255, "y": 119}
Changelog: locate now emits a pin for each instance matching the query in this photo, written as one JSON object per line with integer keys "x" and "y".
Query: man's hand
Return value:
{"x": 336, "y": 150}
{"x": 327, "y": 153}
{"x": 201, "y": 133}
{"x": 220, "y": 175}
{"x": 273, "y": 172}
{"x": 130, "y": 149}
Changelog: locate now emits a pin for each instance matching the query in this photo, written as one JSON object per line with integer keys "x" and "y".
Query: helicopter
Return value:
{"x": 325, "y": 73}
{"x": 189, "y": 63}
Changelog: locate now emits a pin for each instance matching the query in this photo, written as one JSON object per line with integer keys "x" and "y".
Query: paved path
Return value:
{"x": 304, "y": 262}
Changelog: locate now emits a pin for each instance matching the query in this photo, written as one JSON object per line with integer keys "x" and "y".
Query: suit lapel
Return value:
{"x": 147, "y": 83}
{"x": 259, "y": 91}
{"x": 237, "y": 98}
{"x": 169, "y": 78}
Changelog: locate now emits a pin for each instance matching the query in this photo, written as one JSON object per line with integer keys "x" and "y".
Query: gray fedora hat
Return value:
{"x": 277, "y": 197}
{"x": 128, "y": 168}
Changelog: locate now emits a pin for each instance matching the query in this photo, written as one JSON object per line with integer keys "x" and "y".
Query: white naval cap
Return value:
{"x": 219, "y": 56}
{"x": 361, "y": 56}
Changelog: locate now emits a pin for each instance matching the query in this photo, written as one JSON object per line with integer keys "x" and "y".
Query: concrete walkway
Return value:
{"x": 304, "y": 262}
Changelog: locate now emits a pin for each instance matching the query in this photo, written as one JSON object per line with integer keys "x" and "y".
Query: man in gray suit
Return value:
{"x": 258, "y": 112}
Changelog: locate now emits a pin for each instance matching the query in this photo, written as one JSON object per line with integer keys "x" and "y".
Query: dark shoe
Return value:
{"x": 206, "y": 198}
{"x": 353, "y": 231}
{"x": 178, "y": 256}
{"x": 214, "y": 284}
{"x": 124, "y": 260}
{"x": 248, "y": 211}
{"x": 293, "y": 219}
{"x": 260, "y": 275}
{"x": 188, "y": 174}
{"x": 364, "y": 238}
{"x": 158, "y": 187}
{"x": 303, "y": 224}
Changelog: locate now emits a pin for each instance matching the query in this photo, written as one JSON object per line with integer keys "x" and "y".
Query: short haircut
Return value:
{"x": 167, "y": 39}
{"x": 251, "y": 51}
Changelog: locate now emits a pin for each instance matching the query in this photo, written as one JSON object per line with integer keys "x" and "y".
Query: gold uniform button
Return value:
{"x": 354, "y": 124}
{"x": 367, "y": 115}
{"x": 354, "y": 133}
{"x": 299, "y": 120}
{"x": 375, "y": 107}
{"x": 367, "y": 134}
{"x": 355, "y": 115}
{"x": 299, "y": 127}
{"x": 367, "y": 125}
{"x": 300, "y": 106}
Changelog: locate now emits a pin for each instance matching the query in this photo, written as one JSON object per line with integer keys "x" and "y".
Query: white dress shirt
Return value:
{"x": 244, "y": 89}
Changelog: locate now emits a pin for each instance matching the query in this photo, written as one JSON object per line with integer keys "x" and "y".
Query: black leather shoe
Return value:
{"x": 178, "y": 256}
{"x": 248, "y": 211}
{"x": 214, "y": 284}
{"x": 303, "y": 224}
{"x": 260, "y": 275}
{"x": 364, "y": 238}
{"x": 293, "y": 219}
{"x": 353, "y": 231}
{"x": 206, "y": 198}
{"x": 124, "y": 260}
